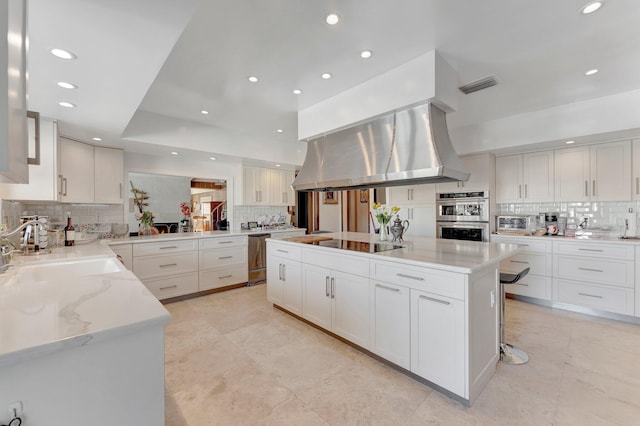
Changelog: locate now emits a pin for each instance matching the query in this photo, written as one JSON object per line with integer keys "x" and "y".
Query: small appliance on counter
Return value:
{"x": 34, "y": 239}
{"x": 515, "y": 224}
{"x": 550, "y": 221}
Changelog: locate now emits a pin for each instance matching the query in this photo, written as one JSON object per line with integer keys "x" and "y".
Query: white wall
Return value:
{"x": 329, "y": 214}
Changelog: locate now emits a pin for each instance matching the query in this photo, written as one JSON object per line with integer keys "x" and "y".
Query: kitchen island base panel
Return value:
{"x": 408, "y": 373}
{"x": 114, "y": 381}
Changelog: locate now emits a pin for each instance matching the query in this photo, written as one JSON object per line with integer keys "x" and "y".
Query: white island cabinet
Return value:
{"x": 430, "y": 307}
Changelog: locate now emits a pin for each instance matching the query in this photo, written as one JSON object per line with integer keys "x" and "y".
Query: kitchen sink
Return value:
{"x": 69, "y": 269}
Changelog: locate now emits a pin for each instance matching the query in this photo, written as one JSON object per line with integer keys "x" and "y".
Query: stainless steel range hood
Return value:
{"x": 404, "y": 148}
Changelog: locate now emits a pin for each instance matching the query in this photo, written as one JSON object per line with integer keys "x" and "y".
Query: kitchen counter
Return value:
{"x": 580, "y": 238}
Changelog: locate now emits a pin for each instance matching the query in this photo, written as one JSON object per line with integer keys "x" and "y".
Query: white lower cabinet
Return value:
{"x": 284, "y": 283}
{"x": 172, "y": 286}
{"x": 222, "y": 262}
{"x": 390, "y": 334}
{"x": 438, "y": 340}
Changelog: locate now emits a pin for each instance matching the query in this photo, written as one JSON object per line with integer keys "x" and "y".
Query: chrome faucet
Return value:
{"x": 32, "y": 227}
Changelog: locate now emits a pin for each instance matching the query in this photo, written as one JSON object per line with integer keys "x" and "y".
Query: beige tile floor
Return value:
{"x": 231, "y": 359}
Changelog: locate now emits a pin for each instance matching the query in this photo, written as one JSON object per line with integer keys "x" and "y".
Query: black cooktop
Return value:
{"x": 357, "y": 245}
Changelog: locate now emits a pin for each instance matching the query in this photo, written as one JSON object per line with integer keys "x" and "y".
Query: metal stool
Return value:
{"x": 510, "y": 354}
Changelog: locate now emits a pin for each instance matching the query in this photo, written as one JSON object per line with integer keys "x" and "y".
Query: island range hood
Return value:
{"x": 407, "y": 147}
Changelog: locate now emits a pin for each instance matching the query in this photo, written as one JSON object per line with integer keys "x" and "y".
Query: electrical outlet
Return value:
{"x": 15, "y": 409}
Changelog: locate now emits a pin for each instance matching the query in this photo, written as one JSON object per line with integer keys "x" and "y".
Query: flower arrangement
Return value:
{"x": 145, "y": 218}
{"x": 185, "y": 210}
{"x": 384, "y": 213}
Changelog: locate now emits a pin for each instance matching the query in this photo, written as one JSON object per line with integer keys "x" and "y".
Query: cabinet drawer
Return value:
{"x": 612, "y": 299}
{"x": 222, "y": 277}
{"x": 539, "y": 263}
{"x": 222, "y": 242}
{"x": 175, "y": 285}
{"x": 164, "y": 247}
{"x": 529, "y": 243}
{"x": 439, "y": 282}
{"x": 356, "y": 265}
{"x": 221, "y": 258}
{"x": 531, "y": 286}
{"x": 614, "y": 251}
{"x": 614, "y": 272}
{"x": 159, "y": 266}
{"x": 286, "y": 251}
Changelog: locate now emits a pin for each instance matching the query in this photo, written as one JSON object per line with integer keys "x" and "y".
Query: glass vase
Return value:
{"x": 383, "y": 232}
{"x": 144, "y": 229}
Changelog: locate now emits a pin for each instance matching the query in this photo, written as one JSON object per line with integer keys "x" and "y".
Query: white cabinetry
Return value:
{"x": 412, "y": 194}
{"x": 42, "y": 184}
{"x": 599, "y": 172}
{"x": 417, "y": 204}
{"x": 88, "y": 174}
{"x": 125, "y": 251}
{"x": 167, "y": 268}
{"x": 536, "y": 255}
{"x": 482, "y": 169}
{"x": 525, "y": 177}
{"x": 222, "y": 262}
{"x": 284, "y": 276}
{"x": 636, "y": 169}
{"x": 437, "y": 351}
{"x": 391, "y": 327}
{"x": 336, "y": 300}
{"x": 282, "y": 194}
{"x": 595, "y": 276}
{"x": 268, "y": 187}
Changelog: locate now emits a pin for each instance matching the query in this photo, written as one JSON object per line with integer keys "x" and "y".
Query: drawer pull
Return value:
{"x": 225, "y": 257}
{"x": 225, "y": 276}
{"x": 387, "y": 288}
{"x": 168, "y": 247}
{"x": 590, "y": 270}
{"x": 410, "y": 277}
{"x": 523, "y": 284}
{"x": 225, "y": 242}
{"x": 282, "y": 251}
{"x": 168, "y": 264}
{"x": 519, "y": 261}
{"x": 169, "y": 287}
{"x": 584, "y": 249}
{"x": 591, "y": 295}
{"x": 443, "y": 302}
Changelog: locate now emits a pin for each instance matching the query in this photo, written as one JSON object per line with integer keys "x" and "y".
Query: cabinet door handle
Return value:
{"x": 326, "y": 286}
{"x": 120, "y": 190}
{"x": 225, "y": 276}
{"x": 593, "y": 191}
{"x": 408, "y": 194}
{"x": 280, "y": 271}
{"x": 282, "y": 251}
{"x": 168, "y": 264}
{"x": 586, "y": 188}
{"x": 443, "y": 302}
{"x": 59, "y": 184}
{"x": 387, "y": 288}
{"x": 410, "y": 277}
{"x": 590, "y": 270}
{"x": 167, "y": 288}
{"x": 168, "y": 247}
{"x": 637, "y": 185}
{"x": 225, "y": 257}
{"x": 64, "y": 184}
{"x": 333, "y": 288}
{"x": 519, "y": 191}
{"x": 526, "y": 193}
{"x": 584, "y": 249}
{"x": 591, "y": 295}
{"x": 519, "y": 261}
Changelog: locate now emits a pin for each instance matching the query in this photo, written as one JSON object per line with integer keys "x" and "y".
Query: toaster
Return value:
{"x": 515, "y": 223}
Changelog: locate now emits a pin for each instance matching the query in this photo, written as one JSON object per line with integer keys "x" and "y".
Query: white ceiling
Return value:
{"x": 146, "y": 68}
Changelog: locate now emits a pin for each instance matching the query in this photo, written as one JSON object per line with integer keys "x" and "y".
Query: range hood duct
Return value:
{"x": 404, "y": 148}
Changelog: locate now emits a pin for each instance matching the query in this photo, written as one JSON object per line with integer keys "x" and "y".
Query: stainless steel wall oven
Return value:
{"x": 463, "y": 215}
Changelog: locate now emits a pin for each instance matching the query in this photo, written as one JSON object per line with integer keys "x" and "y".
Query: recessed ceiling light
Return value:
{"x": 570, "y": 142}
{"x": 62, "y": 54}
{"x": 253, "y": 79}
{"x": 591, "y": 7}
{"x": 366, "y": 54}
{"x": 97, "y": 139}
{"x": 66, "y": 85}
{"x": 277, "y": 165}
{"x": 297, "y": 91}
{"x": 204, "y": 112}
{"x": 174, "y": 153}
{"x": 279, "y": 131}
{"x": 332, "y": 18}
{"x": 212, "y": 158}
{"x": 326, "y": 75}
{"x": 591, "y": 72}
{"x": 66, "y": 104}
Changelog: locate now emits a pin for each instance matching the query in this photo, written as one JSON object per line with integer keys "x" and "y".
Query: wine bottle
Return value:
{"x": 69, "y": 232}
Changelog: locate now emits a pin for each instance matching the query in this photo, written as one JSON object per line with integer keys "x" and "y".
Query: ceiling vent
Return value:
{"x": 481, "y": 84}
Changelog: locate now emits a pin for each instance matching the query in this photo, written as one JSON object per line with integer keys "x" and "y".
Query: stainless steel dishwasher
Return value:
{"x": 257, "y": 258}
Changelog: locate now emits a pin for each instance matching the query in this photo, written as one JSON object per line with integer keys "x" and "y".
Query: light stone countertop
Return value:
{"x": 192, "y": 235}
{"x": 577, "y": 239}
{"x": 65, "y": 309}
{"x": 449, "y": 255}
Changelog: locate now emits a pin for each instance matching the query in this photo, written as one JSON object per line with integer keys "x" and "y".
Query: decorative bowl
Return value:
{"x": 119, "y": 229}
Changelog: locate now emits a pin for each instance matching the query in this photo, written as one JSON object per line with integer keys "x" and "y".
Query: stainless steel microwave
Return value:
{"x": 515, "y": 223}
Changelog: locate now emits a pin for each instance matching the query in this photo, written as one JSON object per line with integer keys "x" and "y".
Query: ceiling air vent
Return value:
{"x": 481, "y": 84}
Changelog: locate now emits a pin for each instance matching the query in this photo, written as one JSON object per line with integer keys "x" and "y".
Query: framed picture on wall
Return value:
{"x": 329, "y": 198}
{"x": 364, "y": 196}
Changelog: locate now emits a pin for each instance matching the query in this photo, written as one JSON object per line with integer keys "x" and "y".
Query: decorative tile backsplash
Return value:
{"x": 244, "y": 214}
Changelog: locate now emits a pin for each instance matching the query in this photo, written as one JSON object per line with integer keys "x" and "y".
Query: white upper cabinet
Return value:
{"x": 597, "y": 173}
{"x": 268, "y": 187}
{"x": 282, "y": 193}
{"x": 109, "y": 175}
{"x": 482, "y": 168}
{"x": 411, "y": 194}
{"x": 42, "y": 184}
{"x": 636, "y": 172}
{"x": 525, "y": 177}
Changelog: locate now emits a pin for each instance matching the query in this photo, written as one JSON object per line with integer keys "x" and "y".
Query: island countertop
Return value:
{"x": 449, "y": 255}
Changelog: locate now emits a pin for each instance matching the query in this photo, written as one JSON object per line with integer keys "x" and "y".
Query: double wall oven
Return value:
{"x": 463, "y": 215}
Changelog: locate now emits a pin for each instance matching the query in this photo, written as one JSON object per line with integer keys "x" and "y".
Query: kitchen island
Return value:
{"x": 429, "y": 306}
{"x": 81, "y": 340}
